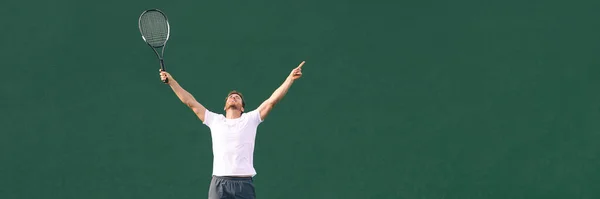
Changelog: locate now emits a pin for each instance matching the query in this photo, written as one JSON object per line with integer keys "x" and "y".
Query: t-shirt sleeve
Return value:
{"x": 209, "y": 117}
{"x": 254, "y": 117}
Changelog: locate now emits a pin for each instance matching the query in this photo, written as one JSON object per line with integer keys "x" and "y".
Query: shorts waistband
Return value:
{"x": 233, "y": 177}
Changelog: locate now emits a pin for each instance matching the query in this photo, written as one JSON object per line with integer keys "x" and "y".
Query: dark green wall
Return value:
{"x": 399, "y": 99}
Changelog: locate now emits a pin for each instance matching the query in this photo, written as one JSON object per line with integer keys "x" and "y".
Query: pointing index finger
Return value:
{"x": 301, "y": 64}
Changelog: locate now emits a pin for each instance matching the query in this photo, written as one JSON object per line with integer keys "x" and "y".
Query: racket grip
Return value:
{"x": 162, "y": 68}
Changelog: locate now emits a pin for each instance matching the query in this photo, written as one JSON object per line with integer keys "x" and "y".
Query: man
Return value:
{"x": 233, "y": 136}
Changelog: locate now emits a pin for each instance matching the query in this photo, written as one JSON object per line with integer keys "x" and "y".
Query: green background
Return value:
{"x": 399, "y": 99}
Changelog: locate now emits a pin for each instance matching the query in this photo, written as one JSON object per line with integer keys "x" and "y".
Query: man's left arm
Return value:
{"x": 268, "y": 104}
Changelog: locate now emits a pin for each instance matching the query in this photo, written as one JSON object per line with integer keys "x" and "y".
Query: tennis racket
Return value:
{"x": 155, "y": 30}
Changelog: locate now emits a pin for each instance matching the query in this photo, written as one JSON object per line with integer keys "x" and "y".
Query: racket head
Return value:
{"x": 154, "y": 27}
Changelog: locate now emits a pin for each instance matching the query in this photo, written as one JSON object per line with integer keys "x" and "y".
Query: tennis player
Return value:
{"x": 233, "y": 136}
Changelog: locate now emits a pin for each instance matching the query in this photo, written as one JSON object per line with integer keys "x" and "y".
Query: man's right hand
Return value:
{"x": 164, "y": 75}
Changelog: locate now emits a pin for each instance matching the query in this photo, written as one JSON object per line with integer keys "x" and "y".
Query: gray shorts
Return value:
{"x": 222, "y": 187}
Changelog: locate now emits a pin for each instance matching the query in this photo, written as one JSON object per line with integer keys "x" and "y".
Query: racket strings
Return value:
{"x": 154, "y": 28}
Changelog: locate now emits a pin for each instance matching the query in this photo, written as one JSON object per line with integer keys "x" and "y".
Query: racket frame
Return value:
{"x": 160, "y": 55}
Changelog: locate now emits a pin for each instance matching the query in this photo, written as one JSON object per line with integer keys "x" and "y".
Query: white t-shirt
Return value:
{"x": 233, "y": 142}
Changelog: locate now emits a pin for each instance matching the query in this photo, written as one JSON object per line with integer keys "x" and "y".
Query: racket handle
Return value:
{"x": 162, "y": 68}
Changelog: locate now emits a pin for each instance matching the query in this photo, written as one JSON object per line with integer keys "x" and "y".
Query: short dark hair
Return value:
{"x": 238, "y": 93}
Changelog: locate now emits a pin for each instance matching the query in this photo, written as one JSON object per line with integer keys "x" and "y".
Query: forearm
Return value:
{"x": 181, "y": 93}
{"x": 281, "y": 91}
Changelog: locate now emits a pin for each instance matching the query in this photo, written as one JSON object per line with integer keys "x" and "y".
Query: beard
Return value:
{"x": 232, "y": 106}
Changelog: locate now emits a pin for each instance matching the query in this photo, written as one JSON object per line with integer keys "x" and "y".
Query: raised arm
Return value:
{"x": 184, "y": 96}
{"x": 268, "y": 104}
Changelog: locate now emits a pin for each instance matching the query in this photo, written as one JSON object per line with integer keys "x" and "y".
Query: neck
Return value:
{"x": 233, "y": 113}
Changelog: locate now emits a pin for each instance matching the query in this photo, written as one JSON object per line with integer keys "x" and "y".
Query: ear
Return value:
{"x": 242, "y": 109}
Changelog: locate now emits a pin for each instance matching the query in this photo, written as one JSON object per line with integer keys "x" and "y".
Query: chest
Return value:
{"x": 233, "y": 130}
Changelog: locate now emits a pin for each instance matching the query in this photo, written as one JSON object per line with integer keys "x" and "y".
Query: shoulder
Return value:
{"x": 254, "y": 115}
{"x": 211, "y": 117}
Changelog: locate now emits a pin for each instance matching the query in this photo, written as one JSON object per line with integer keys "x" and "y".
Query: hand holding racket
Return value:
{"x": 155, "y": 29}
{"x": 164, "y": 76}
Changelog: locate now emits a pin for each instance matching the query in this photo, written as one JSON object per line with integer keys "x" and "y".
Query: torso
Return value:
{"x": 233, "y": 144}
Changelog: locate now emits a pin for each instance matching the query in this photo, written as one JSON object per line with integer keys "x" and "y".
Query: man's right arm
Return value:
{"x": 184, "y": 96}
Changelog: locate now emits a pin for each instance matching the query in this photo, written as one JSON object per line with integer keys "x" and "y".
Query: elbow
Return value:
{"x": 271, "y": 103}
{"x": 188, "y": 102}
